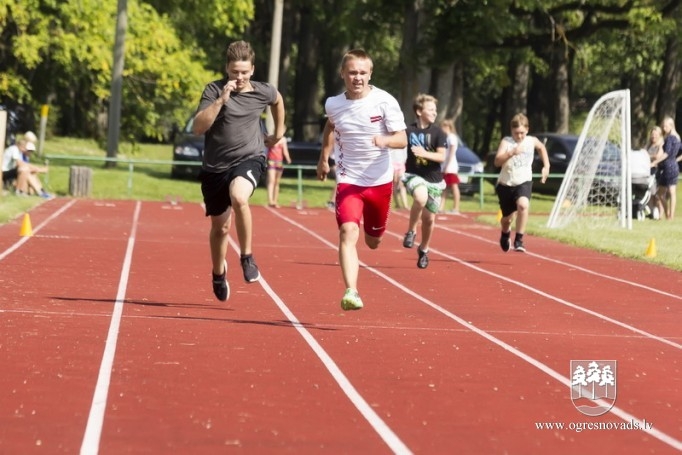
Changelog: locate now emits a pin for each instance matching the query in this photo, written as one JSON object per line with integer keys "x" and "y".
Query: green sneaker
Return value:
{"x": 351, "y": 300}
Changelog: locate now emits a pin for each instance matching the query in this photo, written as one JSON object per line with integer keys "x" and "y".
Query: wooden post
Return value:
{"x": 80, "y": 181}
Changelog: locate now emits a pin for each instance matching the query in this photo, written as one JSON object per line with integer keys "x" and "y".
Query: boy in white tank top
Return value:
{"x": 515, "y": 183}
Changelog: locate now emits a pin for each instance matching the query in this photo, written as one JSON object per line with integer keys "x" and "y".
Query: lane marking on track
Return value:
{"x": 567, "y": 264}
{"x": 93, "y": 430}
{"x": 624, "y": 415}
{"x": 37, "y": 229}
{"x": 603, "y": 317}
{"x": 376, "y": 422}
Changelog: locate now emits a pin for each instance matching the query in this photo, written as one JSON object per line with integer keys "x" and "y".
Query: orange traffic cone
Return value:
{"x": 26, "y": 229}
{"x": 651, "y": 249}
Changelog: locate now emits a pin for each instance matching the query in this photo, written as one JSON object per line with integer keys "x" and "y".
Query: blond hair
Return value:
{"x": 356, "y": 53}
{"x": 421, "y": 99}
{"x": 519, "y": 120}
{"x": 448, "y": 124}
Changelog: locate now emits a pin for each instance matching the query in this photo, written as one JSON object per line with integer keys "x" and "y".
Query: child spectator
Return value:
{"x": 277, "y": 154}
{"x": 451, "y": 167}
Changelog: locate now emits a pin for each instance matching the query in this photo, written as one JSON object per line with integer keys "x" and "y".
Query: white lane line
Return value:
{"x": 625, "y": 416}
{"x": 554, "y": 298}
{"x": 36, "y": 229}
{"x": 568, "y": 264}
{"x": 551, "y": 297}
{"x": 93, "y": 430}
{"x": 382, "y": 429}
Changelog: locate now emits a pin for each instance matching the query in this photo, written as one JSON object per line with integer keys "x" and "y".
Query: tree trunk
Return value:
{"x": 670, "y": 79}
{"x": 441, "y": 88}
{"x": 516, "y": 96}
{"x": 409, "y": 62}
{"x": 306, "y": 119}
{"x": 456, "y": 102}
{"x": 561, "y": 104}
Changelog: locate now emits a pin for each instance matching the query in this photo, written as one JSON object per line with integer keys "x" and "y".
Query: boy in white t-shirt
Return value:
{"x": 364, "y": 122}
{"x": 515, "y": 182}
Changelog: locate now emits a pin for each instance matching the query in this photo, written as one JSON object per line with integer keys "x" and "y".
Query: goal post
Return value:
{"x": 596, "y": 190}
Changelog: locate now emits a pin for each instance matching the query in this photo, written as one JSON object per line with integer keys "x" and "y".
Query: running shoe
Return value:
{"x": 505, "y": 243}
{"x": 518, "y": 246}
{"x": 408, "y": 240}
{"x": 351, "y": 300}
{"x": 250, "y": 269}
{"x": 221, "y": 287}
{"x": 423, "y": 261}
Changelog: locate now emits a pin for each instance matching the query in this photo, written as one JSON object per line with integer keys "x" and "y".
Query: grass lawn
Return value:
{"x": 151, "y": 181}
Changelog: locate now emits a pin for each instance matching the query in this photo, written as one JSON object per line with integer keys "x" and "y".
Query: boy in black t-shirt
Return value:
{"x": 423, "y": 178}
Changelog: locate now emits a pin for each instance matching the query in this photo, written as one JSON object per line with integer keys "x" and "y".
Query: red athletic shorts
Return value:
{"x": 451, "y": 179}
{"x": 370, "y": 204}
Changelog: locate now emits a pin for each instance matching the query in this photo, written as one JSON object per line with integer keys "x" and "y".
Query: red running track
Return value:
{"x": 113, "y": 343}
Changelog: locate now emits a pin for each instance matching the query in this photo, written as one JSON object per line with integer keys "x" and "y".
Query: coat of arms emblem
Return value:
{"x": 593, "y": 386}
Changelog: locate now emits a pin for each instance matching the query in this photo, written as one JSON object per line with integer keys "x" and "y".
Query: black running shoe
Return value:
{"x": 221, "y": 288}
{"x": 423, "y": 261}
{"x": 505, "y": 242}
{"x": 518, "y": 246}
{"x": 250, "y": 269}
{"x": 408, "y": 241}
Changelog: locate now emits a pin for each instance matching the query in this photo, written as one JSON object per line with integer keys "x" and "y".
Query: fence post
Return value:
{"x": 80, "y": 181}
{"x": 299, "y": 204}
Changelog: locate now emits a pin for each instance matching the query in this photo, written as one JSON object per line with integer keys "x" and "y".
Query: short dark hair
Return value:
{"x": 240, "y": 51}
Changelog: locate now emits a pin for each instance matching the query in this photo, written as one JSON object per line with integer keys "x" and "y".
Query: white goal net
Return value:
{"x": 596, "y": 189}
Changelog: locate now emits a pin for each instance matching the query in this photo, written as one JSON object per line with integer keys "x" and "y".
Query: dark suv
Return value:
{"x": 188, "y": 151}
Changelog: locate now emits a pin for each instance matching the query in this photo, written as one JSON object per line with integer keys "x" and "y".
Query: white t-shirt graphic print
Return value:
{"x": 519, "y": 168}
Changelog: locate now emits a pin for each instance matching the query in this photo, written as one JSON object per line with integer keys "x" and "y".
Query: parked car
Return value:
{"x": 469, "y": 165}
{"x": 303, "y": 153}
{"x": 188, "y": 151}
{"x": 16, "y": 122}
{"x": 560, "y": 149}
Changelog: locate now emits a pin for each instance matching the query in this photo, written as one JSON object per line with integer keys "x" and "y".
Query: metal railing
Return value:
{"x": 131, "y": 162}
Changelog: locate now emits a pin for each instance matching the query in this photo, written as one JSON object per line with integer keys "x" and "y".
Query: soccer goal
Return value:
{"x": 596, "y": 190}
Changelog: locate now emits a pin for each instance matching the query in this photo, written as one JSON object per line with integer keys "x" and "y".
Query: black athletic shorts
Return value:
{"x": 507, "y": 195}
{"x": 8, "y": 176}
{"x": 215, "y": 187}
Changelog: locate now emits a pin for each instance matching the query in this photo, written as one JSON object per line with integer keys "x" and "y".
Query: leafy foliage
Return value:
{"x": 60, "y": 53}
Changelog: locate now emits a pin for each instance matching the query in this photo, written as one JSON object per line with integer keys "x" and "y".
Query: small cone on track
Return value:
{"x": 26, "y": 229}
{"x": 499, "y": 215}
{"x": 651, "y": 249}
